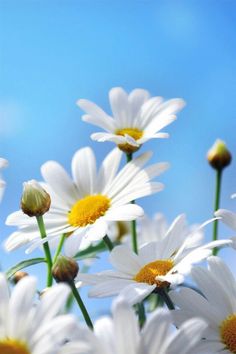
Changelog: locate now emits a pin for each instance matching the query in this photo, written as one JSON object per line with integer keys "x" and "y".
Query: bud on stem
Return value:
{"x": 35, "y": 200}
{"x": 219, "y": 156}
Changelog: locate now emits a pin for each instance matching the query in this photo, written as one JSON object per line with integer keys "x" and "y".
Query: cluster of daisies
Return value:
{"x": 163, "y": 302}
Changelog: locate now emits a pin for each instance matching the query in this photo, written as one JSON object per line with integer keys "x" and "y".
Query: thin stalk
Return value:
{"x": 216, "y": 207}
{"x": 46, "y": 248}
{"x": 108, "y": 243}
{"x": 141, "y": 314}
{"x": 133, "y": 222}
{"x": 165, "y": 297}
{"x": 59, "y": 247}
{"x": 81, "y": 305}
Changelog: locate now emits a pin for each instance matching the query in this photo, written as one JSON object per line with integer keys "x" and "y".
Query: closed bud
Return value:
{"x": 65, "y": 269}
{"x": 35, "y": 200}
{"x": 18, "y": 276}
{"x": 219, "y": 156}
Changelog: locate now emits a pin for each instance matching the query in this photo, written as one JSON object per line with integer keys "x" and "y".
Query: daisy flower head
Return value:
{"x": 137, "y": 117}
{"x": 83, "y": 207}
{"x": 157, "y": 336}
{"x": 3, "y": 164}
{"x": 158, "y": 265}
{"x": 216, "y": 305}
{"x": 27, "y": 327}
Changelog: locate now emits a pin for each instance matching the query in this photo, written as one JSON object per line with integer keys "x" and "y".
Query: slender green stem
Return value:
{"x": 216, "y": 207}
{"x": 141, "y": 314}
{"x": 59, "y": 247}
{"x": 165, "y": 297}
{"x": 134, "y": 236}
{"x": 133, "y": 222}
{"x": 108, "y": 243}
{"x": 46, "y": 248}
{"x": 81, "y": 305}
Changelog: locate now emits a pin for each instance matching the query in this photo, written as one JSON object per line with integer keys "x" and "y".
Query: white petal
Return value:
{"x": 124, "y": 212}
{"x": 108, "y": 169}
{"x": 109, "y": 287}
{"x": 227, "y": 217}
{"x": 101, "y": 137}
{"x": 136, "y": 292}
{"x": 120, "y": 106}
{"x": 125, "y": 260}
{"x": 58, "y": 179}
{"x": 187, "y": 337}
{"x": 84, "y": 171}
{"x": 50, "y": 305}
{"x": 20, "y": 306}
{"x": 125, "y": 328}
{"x": 136, "y": 99}
{"x": 96, "y": 115}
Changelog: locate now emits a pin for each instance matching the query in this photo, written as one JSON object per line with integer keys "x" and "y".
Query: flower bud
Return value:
{"x": 65, "y": 269}
{"x": 219, "y": 156}
{"x": 18, "y": 276}
{"x": 35, "y": 200}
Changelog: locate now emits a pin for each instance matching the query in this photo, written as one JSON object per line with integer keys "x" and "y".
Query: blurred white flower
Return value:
{"x": 216, "y": 305}
{"x": 29, "y": 328}
{"x": 121, "y": 334}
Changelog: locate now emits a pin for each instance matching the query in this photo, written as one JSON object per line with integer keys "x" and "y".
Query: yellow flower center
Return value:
{"x": 228, "y": 332}
{"x": 151, "y": 270}
{"x": 11, "y": 346}
{"x": 134, "y": 133}
{"x": 87, "y": 210}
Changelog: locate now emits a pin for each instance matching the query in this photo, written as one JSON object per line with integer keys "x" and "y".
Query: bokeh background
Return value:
{"x": 54, "y": 52}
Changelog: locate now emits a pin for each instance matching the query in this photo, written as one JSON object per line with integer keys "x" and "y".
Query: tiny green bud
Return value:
{"x": 65, "y": 269}
{"x": 35, "y": 200}
{"x": 219, "y": 156}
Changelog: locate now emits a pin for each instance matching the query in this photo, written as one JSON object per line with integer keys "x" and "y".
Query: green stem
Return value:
{"x": 216, "y": 207}
{"x": 59, "y": 248}
{"x": 81, "y": 305}
{"x": 108, "y": 243}
{"x": 165, "y": 297}
{"x": 46, "y": 248}
{"x": 141, "y": 314}
{"x": 133, "y": 222}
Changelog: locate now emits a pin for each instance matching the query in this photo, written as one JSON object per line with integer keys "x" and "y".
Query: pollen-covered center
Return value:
{"x": 151, "y": 270}
{"x": 87, "y": 210}
{"x": 11, "y": 346}
{"x": 135, "y": 134}
{"x": 228, "y": 332}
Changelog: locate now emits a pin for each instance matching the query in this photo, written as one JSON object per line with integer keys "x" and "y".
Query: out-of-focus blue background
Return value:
{"x": 54, "y": 52}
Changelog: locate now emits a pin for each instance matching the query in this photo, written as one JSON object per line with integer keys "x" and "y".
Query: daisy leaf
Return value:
{"x": 23, "y": 264}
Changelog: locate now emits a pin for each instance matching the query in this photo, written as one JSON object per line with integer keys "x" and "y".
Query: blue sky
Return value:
{"x": 54, "y": 52}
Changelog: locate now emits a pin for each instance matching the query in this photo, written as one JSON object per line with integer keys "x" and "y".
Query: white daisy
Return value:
{"x": 136, "y": 119}
{"x": 158, "y": 264}
{"x": 29, "y": 328}
{"x": 216, "y": 305}
{"x": 121, "y": 335}
{"x": 83, "y": 207}
{"x": 3, "y": 164}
